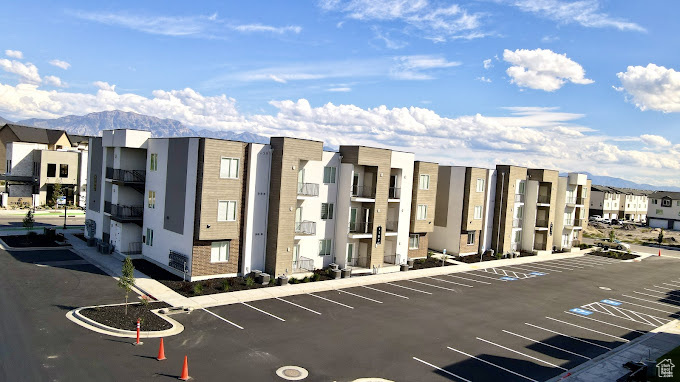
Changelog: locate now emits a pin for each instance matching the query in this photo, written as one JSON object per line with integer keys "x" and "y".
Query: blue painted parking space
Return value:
{"x": 537, "y": 274}
{"x": 507, "y": 278}
{"x": 610, "y": 302}
{"x": 580, "y": 311}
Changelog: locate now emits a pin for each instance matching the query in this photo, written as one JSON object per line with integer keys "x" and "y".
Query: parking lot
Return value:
{"x": 529, "y": 322}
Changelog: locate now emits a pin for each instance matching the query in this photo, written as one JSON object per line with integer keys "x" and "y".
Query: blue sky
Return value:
{"x": 573, "y": 85}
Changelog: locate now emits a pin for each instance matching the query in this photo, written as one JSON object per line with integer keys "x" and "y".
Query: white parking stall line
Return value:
{"x": 648, "y": 307}
{"x": 486, "y": 277}
{"x": 651, "y": 295}
{"x": 662, "y": 292}
{"x": 653, "y": 302}
{"x": 520, "y": 353}
{"x": 405, "y": 287}
{"x": 560, "y": 266}
{"x": 568, "y": 336}
{"x": 600, "y": 259}
{"x": 584, "y": 263}
{"x": 262, "y": 311}
{"x": 492, "y": 364}
{"x": 620, "y": 311}
{"x": 544, "y": 266}
{"x": 329, "y": 300}
{"x": 672, "y": 290}
{"x": 382, "y": 291}
{"x": 299, "y": 306}
{"x": 442, "y": 370}
{"x": 672, "y": 284}
{"x": 356, "y": 295}
{"x": 477, "y": 281}
{"x": 450, "y": 282}
{"x": 592, "y": 330}
{"x": 528, "y": 269}
{"x": 604, "y": 322}
{"x": 434, "y": 286}
{"x": 223, "y": 319}
{"x": 545, "y": 344}
{"x": 563, "y": 263}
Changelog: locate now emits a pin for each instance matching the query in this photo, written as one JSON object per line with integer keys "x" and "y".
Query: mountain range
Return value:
{"x": 94, "y": 123}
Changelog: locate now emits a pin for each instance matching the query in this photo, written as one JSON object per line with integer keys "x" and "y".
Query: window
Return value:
{"x": 665, "y": 202}
{"x": 424, "y": 182}
{"x": 36, "y": 169}
{"x": 326, "y": 211}
{"x": 152, "y": 199}
{"x": 480, "y": 185}
{"x": 325, "y": 247}
{"x": 585, "y": 193}
{"x": 329, "y": 175}
{"x": 659, "y": 212}
{"x": 154, "y": 162}
{"x": 149, "y": 237}
{"x": 9, "y": 166}
{"x": 413, "y": 241}
{"x": 422, "y": 212}
{"x": 226, "y": 211}
{"x": 471, "y": 238}
{"x": 229, "y": 168}
{"x": 678, "y": 204}
{"x": 654, "y": 201}
{"x": 478, "y": 212}
{"x": 520, "y": 212}
{"x": 518, "y": 237}
{"x": 219, "y": 251}
{"x": 520, "y": 189}
{"x": 51, "y": 170}
{"x": 63, "y": 171}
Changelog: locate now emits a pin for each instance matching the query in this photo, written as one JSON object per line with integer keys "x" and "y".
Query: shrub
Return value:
{"x": 198, "y": 289}
{"x": 316, "y": 277}
{"x": 429, "y": 254}
{"x": 660, "y": 238}
{"x": 225, "y": 285}
{"x": 250, "y": 282}
{"x": 305, "y": 279}
{"x": 499, "y": 256}
{"x": 145, "y": 300}
{"x": 272, "y": 281}
{"x": 293, "y": 280}
{"x": 29, "y": 220}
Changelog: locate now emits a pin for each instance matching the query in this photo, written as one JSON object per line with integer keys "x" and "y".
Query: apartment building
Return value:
{"x": 464, "y": 210}
{"x": 605, "y": 201}
{"x": 664, "y": 210}
{"x": 510, "y": 196}
{"x": 573, "y": 200}
{"x": 619, "y": 203}
{"x": 540, "y": 210}
{"x": 423, "y": 207}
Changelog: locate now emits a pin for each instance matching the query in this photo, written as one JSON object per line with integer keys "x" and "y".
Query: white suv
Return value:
{"x": 607, "y": 243}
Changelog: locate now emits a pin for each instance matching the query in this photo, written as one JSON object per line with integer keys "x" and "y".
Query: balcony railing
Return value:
{"x": 519, "y": 198}
{"x": 361, "y": 227}
{"x": 516, "y": 223}
{"x": 126, "y": 212}
{"x": 544, "y": 199}
{"x": 126, "y": 176}
{"x": 392, "y": 226}
{"x": 394, "y": 193}
{"x": 573, "y": 222}
{"x": 363, "y": 192}
{"x": 308, "y": 189}
{"x": 305, "y": 228}
{"x": 514, "y": 246}
{"x": 361, "y": 261}
{"x": 107, "y": 207}
{"x": 542, "y": 223}
{"x": 390, "y": 259}
{"x": 574, "y": 200}
{"x": 303, "y": 263}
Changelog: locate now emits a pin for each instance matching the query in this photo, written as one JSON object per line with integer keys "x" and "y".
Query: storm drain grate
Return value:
{"x": 292, "y": 373}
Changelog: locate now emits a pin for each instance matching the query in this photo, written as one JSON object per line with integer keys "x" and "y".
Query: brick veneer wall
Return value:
{"x": 422, "y": 247}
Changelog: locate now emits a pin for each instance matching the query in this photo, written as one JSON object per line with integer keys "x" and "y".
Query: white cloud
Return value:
{"x": 417, "y": 67}
{"x": 543, "y": 69}
{"x": 267, "y": 28}
{"x": 583, "y": 12}
{"x": 652, "y": 87}
{"x": 438, "y": 23}
{"x": 14, "y": 54}
{"x": 28, "y": 73}
{"x": 655, "y": 140}
{"x": 487, "y": 63}
{"x": 548, "y": 39}
{"x": 60, "y": 64}
{"x": 390, "y": 43}
{"x": 343, "y": 89}
{"x": 54, "y": 81}
{"x": 484, "y": 79}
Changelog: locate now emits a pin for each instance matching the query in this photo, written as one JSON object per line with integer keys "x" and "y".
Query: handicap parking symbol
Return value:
{"x": 580, "y": 311}
{"x": 611, "y": 302}
{"x": 506, "y": 278}
{"x": 537, "y": 274}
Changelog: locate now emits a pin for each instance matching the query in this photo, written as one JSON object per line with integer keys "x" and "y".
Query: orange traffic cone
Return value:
{"x": 185, "y": 370}
{"x": 161, "y": 351}
{"x": 659, "y": 252}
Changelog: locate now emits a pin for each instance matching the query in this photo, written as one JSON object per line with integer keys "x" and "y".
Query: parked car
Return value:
{"x": 616, "y": 222}
{"x": 606, "y": 221}
{"x": 595, "y": 218}
{"x": 616, "y": 244}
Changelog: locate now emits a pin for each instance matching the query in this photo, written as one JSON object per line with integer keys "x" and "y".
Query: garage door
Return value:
{"x": 658, "y": 223}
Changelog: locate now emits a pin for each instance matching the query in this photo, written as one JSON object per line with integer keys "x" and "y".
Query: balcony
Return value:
{"x": 573, "y": 223}
{"x": 390, "y": 259}
{"x": 361, "y": 227}
{"x": 574, "y": 200}
{"x": 392, "y": 226}
{"x": 363, "y": 192}
{"x": 305, "y": 228}
{"x": 543, "y": 199}
{"x": 126, "y": 176}
{"x": 542, "y": 224}
{"x": 126, "y": 214}
{"x": 516, "y": 223}
{"x": 514, "y": 247}
{"x": 394, "y": 193}
{"x": 308, "y": 189}
{"x": 519, "y": 198}
{"x": 107, "y": 207}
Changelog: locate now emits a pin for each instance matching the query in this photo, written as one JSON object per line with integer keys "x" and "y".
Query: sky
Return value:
{"x": 587, "y": 85}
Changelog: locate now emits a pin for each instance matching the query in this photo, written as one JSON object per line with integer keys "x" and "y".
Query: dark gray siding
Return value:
{"x": 175, "y": 184}
{"x": 94, "y": 178}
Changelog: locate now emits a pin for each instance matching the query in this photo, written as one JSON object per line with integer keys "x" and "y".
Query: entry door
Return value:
{"x": 393, "y": 187}
{"x": 301, "y": 176}
{"x": 350, "y": 252}
{"x": 296, "y": 254}
{"x": 367, "y": 219}
{"x": 355, "y": 184}
{"x": 353, "y": 219}
{"x": 298, "y": 214}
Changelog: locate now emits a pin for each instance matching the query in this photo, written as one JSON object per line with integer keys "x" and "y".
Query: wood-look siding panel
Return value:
{"x": 427, "y": 197}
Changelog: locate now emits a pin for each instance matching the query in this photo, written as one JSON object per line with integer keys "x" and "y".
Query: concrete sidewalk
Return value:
{"x": 609, "y": 366}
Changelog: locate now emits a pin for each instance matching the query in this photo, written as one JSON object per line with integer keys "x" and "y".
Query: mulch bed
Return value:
{"x": 469, "y": 259}
{"x": 26, "y": 241}
{"x": 212, "y": 286}
{"x": 114, "y": 316}
{"x": 614, "y": 255}
{"x": 80, "y": 236}
{"x": 429, "y": 263}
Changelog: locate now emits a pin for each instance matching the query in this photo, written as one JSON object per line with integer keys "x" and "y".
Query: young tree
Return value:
{"x": 660, "y": 238}
{"x": 29, "y": 220}
{"x": 57, "y": 193}
{"x": 127, "y": 279}
{"x": 612, "y": 236}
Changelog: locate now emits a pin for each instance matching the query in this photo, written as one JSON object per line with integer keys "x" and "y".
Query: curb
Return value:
{"x": 6, "y": 247}
{"x": 77, "y": 318}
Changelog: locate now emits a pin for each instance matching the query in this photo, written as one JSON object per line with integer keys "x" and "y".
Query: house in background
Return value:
{"x": 664, "y": 210}
{"x": 619, "y": 203}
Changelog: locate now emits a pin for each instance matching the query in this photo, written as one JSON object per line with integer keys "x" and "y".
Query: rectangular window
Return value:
{"x": 520, "y": 212}
{"x": 152, "y": 199}
{"x": 480, "y": 185}
{"x": 471, "y": 238}
{"x": 424, "y": 182}
{"x": 9, "y": 166}
{"x": 422, "y": 212}
{"x": 226, "y": 211}
{"x": 585, "y": 193}
{"x": 219, "y": 251}
{"x": 51, "y": 170}
{"x": 665, "y": 202}
{"x": 229, "y": 168}
{"x": 518, "y": 237}
{"x": 413, "y": 241}
{"x": 478, "y": 212}
{"x": 329, "y": 175}
{"x": 326, "y": 211}
{"x": 153, "y": 166}
{"x": 149, "y": 237}
{"x": 520, "y": 189}
{"x": 325, "y": 247}
{"x": 63, "y": 171}
{"x": 654, "y": 201}
{"x": 659, "y": 212}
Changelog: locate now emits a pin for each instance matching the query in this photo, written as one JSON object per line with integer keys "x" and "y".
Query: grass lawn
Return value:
{"x": 674, "y": 356}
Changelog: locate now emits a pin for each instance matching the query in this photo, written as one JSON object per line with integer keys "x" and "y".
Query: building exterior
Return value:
{"x": 540, "y": 210}
{"x": 423, "y": 207}
{"x": 573, "y": 199}
{"x": 604, "y": 202}
{"x": 619, "y": 203}
{"x": 664, "y": 210}
{"x": 510, "y": 196}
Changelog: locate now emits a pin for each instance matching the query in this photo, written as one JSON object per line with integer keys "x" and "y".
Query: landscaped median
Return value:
{"x": 112, "y": 320}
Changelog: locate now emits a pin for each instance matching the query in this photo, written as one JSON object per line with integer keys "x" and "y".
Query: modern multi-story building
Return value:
{"x": 605, "y": 202}
{"x": 464, "y": 210}
{"x": 508, "y": 221}
{"x": 664, "y": 210}
{"x": 619, "y": 203}
{"x": 423, "y": 207}
{"x": 573, "y": 199}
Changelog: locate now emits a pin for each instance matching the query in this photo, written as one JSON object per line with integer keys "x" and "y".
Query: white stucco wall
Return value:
{"x": 448, "y": 237}
{"x": 403, "y": 161}
{"x": 257, "y": 207}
